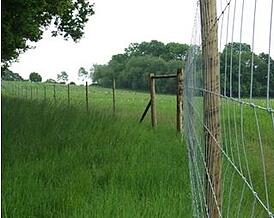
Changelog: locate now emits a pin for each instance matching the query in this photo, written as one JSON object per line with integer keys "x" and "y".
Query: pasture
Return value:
{"x": 60, "y": 161}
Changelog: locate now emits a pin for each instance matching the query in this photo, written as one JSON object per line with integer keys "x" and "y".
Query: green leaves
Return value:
{"x": 232, "y": 51}
{"x": 35, "y": 77}
{"x": 83, "y": 74}
{"x": 132, "y": 68}
{"x": 63, "y": 77}
{"x": 24, "y": 20}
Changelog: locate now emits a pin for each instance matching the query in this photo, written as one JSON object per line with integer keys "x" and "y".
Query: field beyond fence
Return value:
{"x": 112, "y": 157}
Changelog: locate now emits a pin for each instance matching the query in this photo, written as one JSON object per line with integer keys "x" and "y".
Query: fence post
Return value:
{"x": 45, "y": 92}
{"x": 179, "y": 100}
{"x": 68, "y": 96}
{"x": 54, "y": 93}
{"x": 36, "y": 92}
{"x": 31, "y": 93}
{"x": 211, "y": 106}
{"x": 113, "y": 96}
{"x": 153, "y": 100}
{"x": 13, "y": 90}
{"x": 87, "y": 96}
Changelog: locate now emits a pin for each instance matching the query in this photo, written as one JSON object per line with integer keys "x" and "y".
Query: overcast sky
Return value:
{"x": 118, "y": 23}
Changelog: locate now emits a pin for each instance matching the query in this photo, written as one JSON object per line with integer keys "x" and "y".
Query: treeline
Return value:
{"x": 230, "y": 65}
{"x": 62, "y": 77}
{"x": 131, "y": 68}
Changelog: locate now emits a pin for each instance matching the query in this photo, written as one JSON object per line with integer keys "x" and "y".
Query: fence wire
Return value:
{"x": 246, "y": 111}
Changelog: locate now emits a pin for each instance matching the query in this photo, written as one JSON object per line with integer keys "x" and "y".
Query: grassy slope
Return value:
{"x": 60, "y": 162}
{"x": 145, "y": 170}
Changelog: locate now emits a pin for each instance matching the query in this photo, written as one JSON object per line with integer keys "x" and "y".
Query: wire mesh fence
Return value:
{"x": 128, "y": 103}
{"x": 246, "y": 91}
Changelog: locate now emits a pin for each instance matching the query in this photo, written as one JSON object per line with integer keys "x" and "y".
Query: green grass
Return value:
{"x": 62, "y": 162}
{"x": 59, "y": 161}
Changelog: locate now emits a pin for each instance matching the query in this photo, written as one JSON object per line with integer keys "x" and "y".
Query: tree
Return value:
{"x": 176, "y": 51}
{"x": 131, "y": 68}
{"x": 102, "y": 75}
{"x": 152, "y": 48}
{"x": 35, "y": 77}
{"x": 26, "y": 20}
{"x": 8, "y": 75}
{"x": 83, "y": 74}
{"x": 260, "y": 69}
{"x": 62, "y": 77}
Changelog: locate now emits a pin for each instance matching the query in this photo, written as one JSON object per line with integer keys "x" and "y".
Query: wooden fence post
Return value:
{"x": 54, "y": 94}
{"x": 211, "y": 73}
{"x": 36, "y": 92}
{"x": 31, "y": 93}
{"x": 153, "y": 100}
{"x": 179, "y": 100}
{"x": 113, "y": 96}
{"x": 68, "y": 96}
{"x": 87, "y": 96}
{"x": 45, "y": 92}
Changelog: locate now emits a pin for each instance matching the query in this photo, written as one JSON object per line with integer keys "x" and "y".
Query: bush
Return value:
{"x": 50, "y": 81}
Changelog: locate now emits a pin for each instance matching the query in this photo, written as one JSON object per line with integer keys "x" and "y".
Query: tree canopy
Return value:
{"x": 8, "y": 75}
{"x": 132, "y": 67}
{"x": 35, "y": 77}
{"x": 62, "y": 77}
{"x": 83, "y": 74}
{"x": 229, "y": 63}
{"x": 26, "y": 20}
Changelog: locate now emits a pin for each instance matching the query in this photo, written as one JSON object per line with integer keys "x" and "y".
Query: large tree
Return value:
{"x": 35, "y": 77}
{"x": 26, "y": 20}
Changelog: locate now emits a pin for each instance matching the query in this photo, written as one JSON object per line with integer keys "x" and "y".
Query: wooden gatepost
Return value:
{"x": 152, "y": 101}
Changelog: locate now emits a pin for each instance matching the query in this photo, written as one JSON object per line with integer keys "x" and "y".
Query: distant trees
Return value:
{"x": 229, "y": 63}
{"x": 62, "y": 77}
{"x": 132, "y": 68}
{"x": 35, "y": 77}
{"x": 83, "y": 74}
{"x": 170, "y": 51}
{"x": 8, "y": 75}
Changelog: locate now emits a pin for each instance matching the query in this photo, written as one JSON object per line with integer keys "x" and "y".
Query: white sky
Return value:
{"x": 118, "y": 23}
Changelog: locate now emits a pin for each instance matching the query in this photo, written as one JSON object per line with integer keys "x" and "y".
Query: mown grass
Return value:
{"x": 59, "y": 161}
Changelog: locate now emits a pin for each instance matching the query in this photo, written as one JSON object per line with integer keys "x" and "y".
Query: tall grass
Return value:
{"x": 59, "y": 161}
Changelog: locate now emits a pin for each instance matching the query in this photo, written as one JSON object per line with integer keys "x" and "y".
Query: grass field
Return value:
{"x": 60, "y": 161}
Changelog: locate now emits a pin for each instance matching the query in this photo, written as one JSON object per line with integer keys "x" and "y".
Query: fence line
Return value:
{"x": 247, "y": 126}
{"x": 58, "y": 93}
